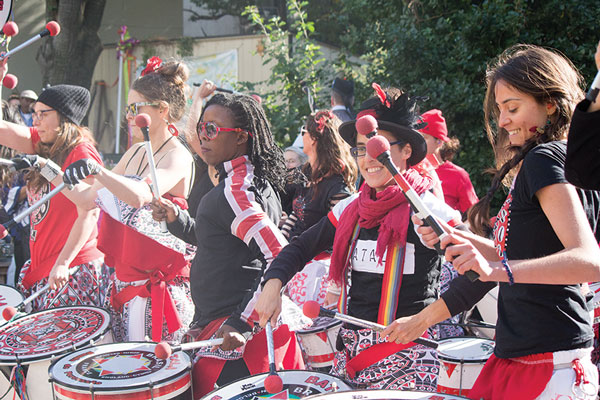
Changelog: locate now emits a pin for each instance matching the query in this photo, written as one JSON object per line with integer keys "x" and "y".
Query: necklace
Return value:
{"x": 138, "y": 172}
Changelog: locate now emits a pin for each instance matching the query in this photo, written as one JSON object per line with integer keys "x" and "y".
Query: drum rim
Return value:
{"x": 449, "y": 358}
{"x": 319, "y": 329}
{"x": 211, "y": 393}
{"x": 384, "y": 392}
{"x": 161, "y": 382}
{"x": 33, "y": 359}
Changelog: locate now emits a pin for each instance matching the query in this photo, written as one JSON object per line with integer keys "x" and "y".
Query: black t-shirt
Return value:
{"x": 313, "y": 203}
{"x": 582, "y": 167}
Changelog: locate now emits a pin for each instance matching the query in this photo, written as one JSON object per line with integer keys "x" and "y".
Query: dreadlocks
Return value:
{"x": 265, "y": 155}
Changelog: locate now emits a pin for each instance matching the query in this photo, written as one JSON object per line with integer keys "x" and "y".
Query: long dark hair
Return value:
{"x": 333, "y": 154}
{"x": 547, "y": 76}
{"x": 264, "y": 153}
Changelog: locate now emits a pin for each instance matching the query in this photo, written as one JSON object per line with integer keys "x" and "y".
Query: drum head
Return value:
{"x": 9, "y": 296}
{"x": 320, "y": 324}
{"x": 120, "y": 368}
{"x": 296, "y": 385}
{"x": 465, "y": 349}
{"x": 385, "y": 395}
{"x": 41, "y": 335}
{"x": 5, "y": 9}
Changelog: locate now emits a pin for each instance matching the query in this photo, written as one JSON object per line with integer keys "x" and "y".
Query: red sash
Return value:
{"x": 522, "y": 378}
{"x": 372, "y": 355}
{"x": 136, "y": 257}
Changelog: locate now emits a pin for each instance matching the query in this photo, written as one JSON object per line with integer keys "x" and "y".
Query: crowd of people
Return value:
{"x": 241, "y": 225}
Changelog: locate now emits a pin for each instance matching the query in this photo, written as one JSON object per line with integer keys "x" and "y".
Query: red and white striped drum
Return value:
{"x": 384, "y": 395}
{"x": 461, "y": 361}
{"x": 318, "y": 343}
{"x": 296, "y": 385}
{"x": 34, "y": 339}
{"x": 9, "y": 297}
{"x": 121, "y": 371}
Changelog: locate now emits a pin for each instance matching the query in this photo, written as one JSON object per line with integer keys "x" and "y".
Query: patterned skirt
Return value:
{"x": 87, "y": 286}
{"x": 134, "y": 321}
{"x": 415, "y": 368}
{"x": 447, "y": 331}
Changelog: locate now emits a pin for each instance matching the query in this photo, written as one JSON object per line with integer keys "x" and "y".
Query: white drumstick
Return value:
{"x": 164, "y": 350}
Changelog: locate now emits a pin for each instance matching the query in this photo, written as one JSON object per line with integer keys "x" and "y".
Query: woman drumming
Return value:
{"x": 149, "y": 294}
{"x": 62, "y": 235}
{"x": 543, "y": 247}
{"x": 373, "y": 239}
{"x": 236, "y": 234}
{"x": 331, "y": 173}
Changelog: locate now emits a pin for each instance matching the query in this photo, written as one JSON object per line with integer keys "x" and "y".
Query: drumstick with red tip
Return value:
{"x": 378, "y": 148}
{"x": 312, "y": 310}
{"x": 164, "y": 350}
{"x": 10, "y": 28}
{"x": 9, "y": 312}
{"x": 10, "y": 81}
{"x": 143, "y": 122}
{"x": 52, "y": 29}
{"x": 273, "y": 382}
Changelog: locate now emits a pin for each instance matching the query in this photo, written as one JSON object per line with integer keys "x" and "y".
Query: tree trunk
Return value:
{"x": 71, "y": 56}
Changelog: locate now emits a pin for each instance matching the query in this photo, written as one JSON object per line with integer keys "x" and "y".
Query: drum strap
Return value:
{"x": 372, "y": 355}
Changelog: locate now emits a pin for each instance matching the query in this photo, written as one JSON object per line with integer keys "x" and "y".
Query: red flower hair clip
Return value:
{"x": 153, "y": 64}
{"x": 381, "y": 94}
{"x": 322, "y": 120}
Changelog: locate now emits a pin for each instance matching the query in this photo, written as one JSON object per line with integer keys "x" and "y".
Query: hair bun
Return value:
{"x": 175, "y": 71}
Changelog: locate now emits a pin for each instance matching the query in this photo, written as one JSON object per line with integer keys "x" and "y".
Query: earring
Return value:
{"x": 171, "y": 128}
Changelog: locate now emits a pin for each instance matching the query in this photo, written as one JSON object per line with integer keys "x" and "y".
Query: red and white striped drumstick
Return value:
{"x": 164, "y": 350}
{"x": 312, "y": 310}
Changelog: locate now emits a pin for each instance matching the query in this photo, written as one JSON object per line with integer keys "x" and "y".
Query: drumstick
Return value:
{"x": 312, "y": 310}
{"x": 164, "y": 350}
{"x": 378, "y": 147}
{"x": 143, "y": 121}
{"x": 52, "y": 29}
{"x": 9, "y": 312}
{"x": 273, "y": 383}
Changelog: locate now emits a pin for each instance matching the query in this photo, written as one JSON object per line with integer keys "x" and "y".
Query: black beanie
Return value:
{"x": 69, "y": 100}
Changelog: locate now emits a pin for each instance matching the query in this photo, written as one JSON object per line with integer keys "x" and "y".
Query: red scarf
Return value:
{"x": 387, "y": 209}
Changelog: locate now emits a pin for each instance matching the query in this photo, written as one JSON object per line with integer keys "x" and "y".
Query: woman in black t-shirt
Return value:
{"x": 331, "y": 174}
{"x": 543, "y": 247}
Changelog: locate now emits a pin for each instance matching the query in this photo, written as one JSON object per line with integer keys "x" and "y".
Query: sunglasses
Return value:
{"x": 210, "y": 130}
{"x": 361, "y": 151}
{"x": 133, "y": 107}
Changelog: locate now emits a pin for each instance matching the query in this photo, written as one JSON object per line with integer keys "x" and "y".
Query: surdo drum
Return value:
{"x": 461, "y": 361}
{"x": 384, "y": 395}
{"x": 318, "y": 343}
{"x": 32, "y": 341}
{"x": 296, "y": 384}
{"x": 121, "y": 371}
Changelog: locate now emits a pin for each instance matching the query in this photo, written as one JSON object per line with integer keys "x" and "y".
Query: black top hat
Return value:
{"x": 343, "y": 86}
{"x": 395, "y": 112}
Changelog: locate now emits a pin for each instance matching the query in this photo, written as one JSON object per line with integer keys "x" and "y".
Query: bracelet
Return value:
{"x": 50, "y": 170}
{"x": 334, "y": 289}
{"x": 511, "y": 279}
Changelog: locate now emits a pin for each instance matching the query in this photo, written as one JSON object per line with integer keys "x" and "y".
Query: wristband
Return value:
{"x": 50, "y": 170}
{"x": 511, "y": 279}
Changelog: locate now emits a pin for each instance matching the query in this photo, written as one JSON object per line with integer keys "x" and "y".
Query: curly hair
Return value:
{"x": 547, "y": 76}
{"x": 333, "y": 154}
{"x": 264, "y": 153}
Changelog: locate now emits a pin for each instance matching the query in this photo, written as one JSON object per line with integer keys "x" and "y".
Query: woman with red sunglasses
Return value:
{"x": 149, "y": 294}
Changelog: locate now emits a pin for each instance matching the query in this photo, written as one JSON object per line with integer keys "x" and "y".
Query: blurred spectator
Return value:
{"x": 294, "y": 157}
{"x": 342, "y": 99}
{"x": 23, "y": 113}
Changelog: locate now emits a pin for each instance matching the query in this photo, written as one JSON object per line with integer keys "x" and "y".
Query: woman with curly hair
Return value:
{"x": 331, "y": 174}
{"x": 149, "y": 293}
{"x": 543, "y": 250}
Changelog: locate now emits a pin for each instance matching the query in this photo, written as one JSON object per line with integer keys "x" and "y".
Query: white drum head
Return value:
{"x": 320, "y": 324}
{"x": 296, "y": 384}
{"x": 5, "y": 9}
{"x": 44, "y": 334}
{"x": 465, "y": 349}
{"x": 120, "y": 368}
{"x": 9, "y": 297}
{"x": 385, "y": 395}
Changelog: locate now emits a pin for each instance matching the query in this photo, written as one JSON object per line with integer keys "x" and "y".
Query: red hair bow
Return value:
{"x": 154, "y": 63}
{"x": 325, "y": 116}
{"x": 381, "y": 94}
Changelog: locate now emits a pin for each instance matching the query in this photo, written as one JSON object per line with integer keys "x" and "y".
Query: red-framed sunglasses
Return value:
{"x": 210, "y": 130}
